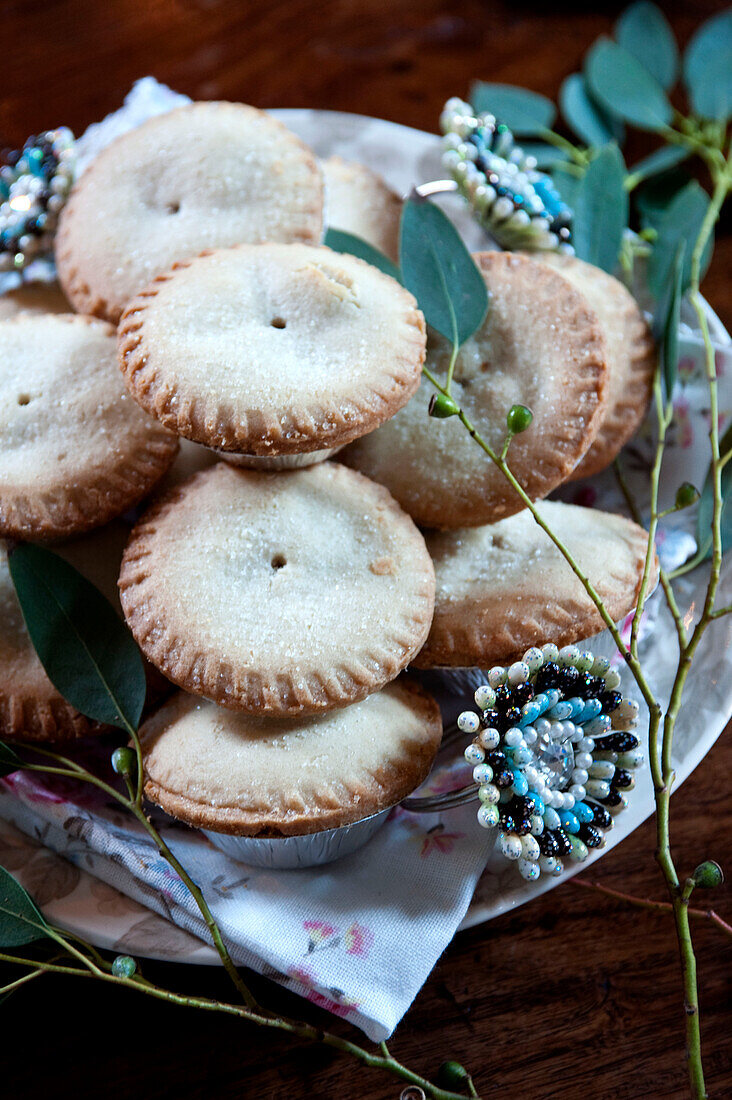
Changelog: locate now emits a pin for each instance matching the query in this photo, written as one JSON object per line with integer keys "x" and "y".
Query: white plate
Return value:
{"x": 84, "y": 905}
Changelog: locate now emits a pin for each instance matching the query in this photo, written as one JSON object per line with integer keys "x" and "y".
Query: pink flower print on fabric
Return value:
{"x": 437, "y": 840}
{"x": 358, "y": 940}
{"x": 320, "y": 935}
{"x": 337, "y": 1003}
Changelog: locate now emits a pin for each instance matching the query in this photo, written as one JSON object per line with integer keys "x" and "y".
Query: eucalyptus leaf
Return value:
{"x": 568, "y": 182}
{"x": 601, "y": 210}
{"x": 546, "y": 156}
{"x": 670, "y": 342}
{"x": 440, "y": 272}
{"x": 644, "y": 31}
{"x": 340, "y": 241}
{"x": 9, "y": 762}
{"x": 708, "y": 68}
{"x": 587, "y": 118}
{"x": 656, "y": 194}
{"x": 668, "y": 156}
{"x": 86, "y": 650}
{"x": 680, "y": 221}
{"x": 624, "y": 88}
{"x": 525, "y": 113}
{"x": 705, "y": 511}
{"x": 20, "y": 920}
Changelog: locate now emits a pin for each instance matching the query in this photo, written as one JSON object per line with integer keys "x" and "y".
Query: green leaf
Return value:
{"x": 340, "y": 241}
{"x": 87, "y": 652}
{"x": 601, "y": 210}
{"x": 655, "y": 195}
{"x": 20, "y": 920}
{"x": 546, "y": 156}
{"x": 680, "y": 221}
{"x": 525, "y": 113}
{"x": 708, "y": 68}
{"x": 644, "y": 32}
{"x": 440, "y": 272}
{"x": 705, "y": 512}
{"x": 670, "y": 342}
{"x": 668, "y": 156}
{"x": 9, "y": 762}
{"x": 624, "y": 88}
{"x": 567, "y": 182}
{"x": 587, "y": 118}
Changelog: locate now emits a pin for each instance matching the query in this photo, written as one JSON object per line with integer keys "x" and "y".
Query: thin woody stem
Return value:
{"x": 648, "y": 903}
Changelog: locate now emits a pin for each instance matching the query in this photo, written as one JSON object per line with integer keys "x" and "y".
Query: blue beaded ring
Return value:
{"x": 516, "y": 203}
{"x": 552, "y": 756}
{"x": 34, "y": 184}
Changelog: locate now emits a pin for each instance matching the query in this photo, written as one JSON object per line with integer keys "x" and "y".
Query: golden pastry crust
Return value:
{"x": 286, "y": 593}
{"x": 75, "y": 450}
{"x": 541, "y": 345}
{"x": 239, "y": 774}
{"x": 504, "y": 587}
{"x": 631, "y": 357}
{"x": 207, "y": 175}
{"x": 272, "y": 349}
{"x": 358, "y": 201}
{"x": 31, "y": 709}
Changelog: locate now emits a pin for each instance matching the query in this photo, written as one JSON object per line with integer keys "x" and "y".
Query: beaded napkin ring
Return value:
{"x": 34, "y": 184}
{"x": 516, "y": 203}
{"x": 552, "y": 757}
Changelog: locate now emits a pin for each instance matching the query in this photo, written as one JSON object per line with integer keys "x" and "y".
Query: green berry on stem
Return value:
{"x": 708, "y": 875}
{"x": 124, "y": 761}
{"x": 519, "y": 419}
{"x": 686, "y": 495}
{"x": 124, "y": 966}
{"x": 452, "y": 1075}
{"x": 442, "y": 406}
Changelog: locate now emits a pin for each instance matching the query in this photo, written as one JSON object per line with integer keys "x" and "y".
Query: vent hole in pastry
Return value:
{"x": 278, "y": 322}
{"x": 278, "y": 561}
{"x": 24, "y": 399}
{"x": 172, "y": 207}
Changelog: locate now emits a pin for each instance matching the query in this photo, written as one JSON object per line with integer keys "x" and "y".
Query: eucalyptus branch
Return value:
{"x": 657, "y": 906}
{"x": 12, "y": 986}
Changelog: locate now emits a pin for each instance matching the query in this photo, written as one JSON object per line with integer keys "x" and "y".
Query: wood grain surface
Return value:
{"x": 574, "y": 996}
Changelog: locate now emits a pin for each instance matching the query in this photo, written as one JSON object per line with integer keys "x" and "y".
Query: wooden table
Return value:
{"x": 575, "y": 995}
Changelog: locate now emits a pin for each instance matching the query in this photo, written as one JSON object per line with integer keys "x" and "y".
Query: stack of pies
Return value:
{"x": 282, "y": 592}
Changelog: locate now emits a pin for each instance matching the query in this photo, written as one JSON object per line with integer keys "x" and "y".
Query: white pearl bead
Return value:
{"x": 585, "y": 661}
{"x": 547, "y": 863}
{"x": 600, "y": 666}
{"x": 529, "y": 870}
{"x": 489, "y": 793}
{"x": 482, "y": 773}
{"x": 450, "y": 159}
{"x": 513, "y": 737}
{"x": 550, "y": 651}
{"x": 598, "y": 788}
{"x": 583, "y": 760}
{"x": 602, "y": 769}
{"x": 529, "y": 735}
{"x": 534, "y": 658}
{"x": 502, "y": 209}
{"x": 568, "y": 800}
{"x": 474, "y": 754}
{"x": 532, "y": 777}
{"x": 485, "y": 697}
{"x": 578, "y": 792}
{"x": 542, "y": 726}
{"x": 568, "y": 654}
{"x": 488, "y": 816}
{"x": 557, "y": 800}
{"x": 529, "y": 847}
{"x": 510, "y": 846}
{"x": 518, "y": 673}
{"x": 490, "y": 738}
{"x": 468, "y": 722}
{"x": 551, "y": 818}
{"x": 496, "y": 676}
{"x": 586, "y": 745}
{"x": 537, "y": 825}
{"x": 612, "y": 679}
{"x": 580, "y": 775}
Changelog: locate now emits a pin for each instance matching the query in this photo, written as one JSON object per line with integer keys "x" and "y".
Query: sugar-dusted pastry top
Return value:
{"x": 202, "y": 176}
{"x": 358, "y": 201}
{"x": 542, "y": 346}
{"x": 33, "y": 298}
{"x": 75, "y": 449}
{"x": 631, "y": 356}
{"x": 238, "y": 773}
{"x": 278, "y": 593}
{"x": 31, "y": 709}
{"x": 505, "y": 586}
{"x": 272, "y": 349}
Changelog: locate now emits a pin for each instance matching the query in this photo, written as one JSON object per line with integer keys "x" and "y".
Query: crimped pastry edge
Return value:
{"x": 389, "y": 788}
{"x": 259, "y": 691}
{"x": 83, "y": 297}
{"x": 467, "y": 637}
{"x": 282, "y": 430}
{"x": 76, "y": 508}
